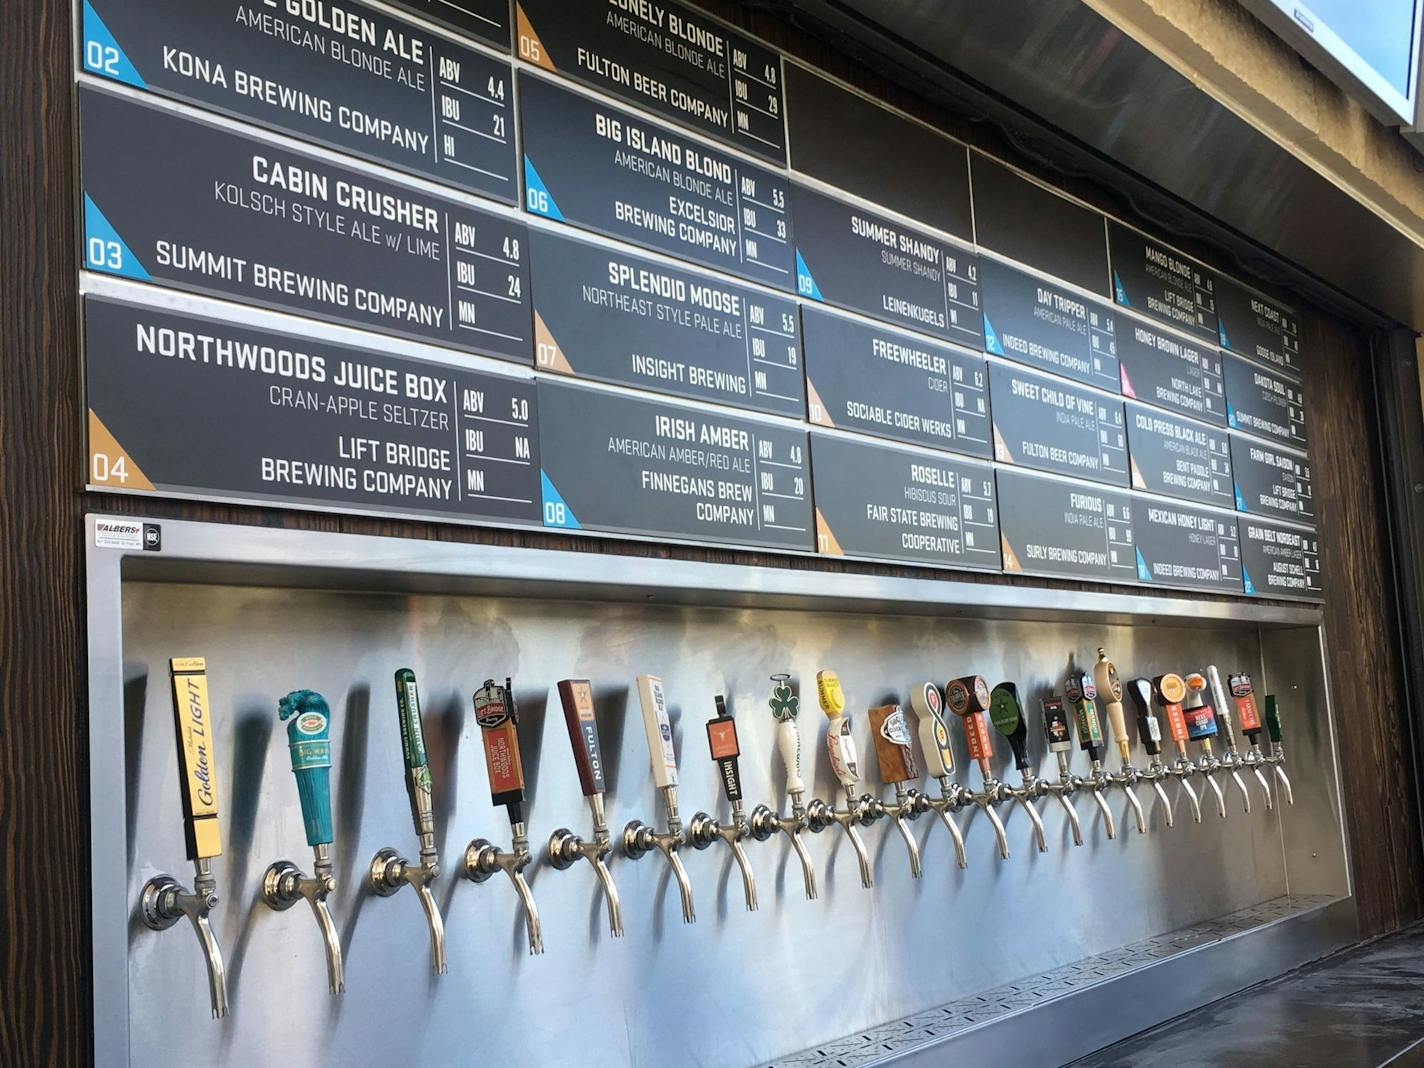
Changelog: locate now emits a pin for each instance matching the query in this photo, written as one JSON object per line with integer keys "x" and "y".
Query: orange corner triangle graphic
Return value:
{"x": 1138, "y": 482}
{"x": 530, "y": 47}
{"x": 1011, "y": 560}
{"x": 819, "y": 415}
{"x": 551, "y": 357}
{"x": 121, "y": 470}
{"x": 826, "y": 542}
{"x": 1001, "y": 448}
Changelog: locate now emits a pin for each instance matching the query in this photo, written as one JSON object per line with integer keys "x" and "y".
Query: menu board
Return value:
{"x": 348, "y": 76}
{"x": 667, "y": 58}
{"x": 1064, "y": 529}
{"x": 1035, "y": 322}
{"x": 1263, "y": 402}
{"x": 486, "y": 19}
{"x": 1178, "y": 458}
{"x": 606, "y": 169}
{"x": 1158, "y": 281}
{"x": 1178, "y": 545}
{"x": 895, "y": 503}
{"x": 182, "y": 404}
{"x": 1167, "y": 370}
{"x": 623, "y": 464}
{"x": 1279, "y": 561}
{"x": 860, "y": 376}
{"x": 188, "y": 204}
{"x": 1048, "y": 424}
{"x": 1271, "y": 481}
{"x": 615, "y": 316}
{"x": 1027, "y": 222}
{"x": 1253, "y": 326}
{"x": 869, "y": 263}
{"x": 869, "y": 151}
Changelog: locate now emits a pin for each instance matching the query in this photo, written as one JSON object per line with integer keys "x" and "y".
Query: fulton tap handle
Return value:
{"x": 896, "y": 758}
{"x": 1006, "y": 711}
{"x": 1273, "y": 731}
{"x": 417, "y": 785}
{"x": 1149, "y": 729}
{"x": 1109, "y": 686}
{"x": 785, "y": 707}
{"x": 1058, "y": 735}
{"x": 576, "y": 695}
{"x": 498, "y": 718}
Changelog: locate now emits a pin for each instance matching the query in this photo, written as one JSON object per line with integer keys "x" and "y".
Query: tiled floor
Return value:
{"x": 1359, "y": 1009}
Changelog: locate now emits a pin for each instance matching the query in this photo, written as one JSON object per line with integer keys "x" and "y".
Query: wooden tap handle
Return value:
{"x": 892, "y": 744}
{"x": 576, "y": 695}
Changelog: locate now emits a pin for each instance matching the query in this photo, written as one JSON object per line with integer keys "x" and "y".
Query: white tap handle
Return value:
{"x": 661, "y": 755}
{"x": 840, "y": 744}
{"x": 788, "y": 743}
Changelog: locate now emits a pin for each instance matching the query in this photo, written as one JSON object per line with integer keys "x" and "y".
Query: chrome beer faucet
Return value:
{"x": 1082, "y": 695}
{"x": 308, "y": 719}
{"x": 1007, "y": 713}
{"x": 935, "y": 746}
{"x": 891, "y": 733}
{"x": 565, "y": 847}
{"x": 1249, "y": 717}
{"x": 638, "y": 838}
{"x": 785, "y": 707}
{"x": 165, "y": 901}
{"x": 1109, "y": 687}
{"x": 1058, "y": 733}
{"x": 389, "y": 870}
{"x": 1168, "y": 690}
{"x": 498, "y": 717}
{"x": 1278, "y": 750}
{"x": 1231, "y": 759}
{"x": 1149, "y": 729}
{"x": 845, "y": 763}
{"x": 1201, "y": 727}
{"x": 968, "y": 698}
{"x": 703, "y": 830}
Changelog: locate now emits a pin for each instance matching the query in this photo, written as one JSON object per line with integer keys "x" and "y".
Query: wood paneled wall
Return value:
{"x": 44, "y": 943}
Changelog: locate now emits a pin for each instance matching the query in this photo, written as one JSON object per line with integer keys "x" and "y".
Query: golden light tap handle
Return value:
{"x": 192, "y": 716}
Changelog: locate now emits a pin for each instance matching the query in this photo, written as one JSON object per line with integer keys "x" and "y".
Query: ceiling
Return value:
{"x": 1056, "y": 75}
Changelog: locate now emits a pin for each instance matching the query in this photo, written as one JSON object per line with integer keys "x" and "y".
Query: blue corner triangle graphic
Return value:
{"x": 556, "y": 512}
{"x": 1119, "y": 291}
{"x": 991, "y": 338}
{"x": 805, "y": 281}
{"x": 104, "y": 249}
{"x": 1144, "y": 573}
{"x": 1221, "y": 329}
{"x": 536, "y": 194}
{"x": 1240, "y": 500}
{"x": 103, "y": 55}
{"x": 1231, "y": 416}
{"x": 1246, "y": 578}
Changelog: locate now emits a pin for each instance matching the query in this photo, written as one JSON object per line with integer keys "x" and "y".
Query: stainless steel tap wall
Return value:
{"x": 735, "y": 988}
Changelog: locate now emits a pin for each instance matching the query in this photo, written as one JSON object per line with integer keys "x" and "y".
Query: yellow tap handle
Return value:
{"x": 192, "y": 715}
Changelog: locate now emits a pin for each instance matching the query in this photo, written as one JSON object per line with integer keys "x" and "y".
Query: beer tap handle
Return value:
{"x": 928, "y": 704}
{"x": 309, "y": 741}
{"x": 1149, "y": 730}
{"x": 1228, "y": 734}
{"x": 896, "y": 758}
{"x": 164, "y": 902}
{"x": 969, "y": 699}
{"x": 1201, "y": 727}
{"x": 785, "y": 707}
{"x": 418, "y": 785}
{"x": 1168, "y": 690}
{"x": 1058, "y": 735}
{"x": 1082, "y": 695}
{"x": 1278, "y": 749}
{"x": 639, "y": 838}
{"x": 1249, "y": 718}
{"x": 565, "y": 847}
{"x": 702, "y": 829}
{"x": 1007, "y": 713}
{"x": 845, "y": 764}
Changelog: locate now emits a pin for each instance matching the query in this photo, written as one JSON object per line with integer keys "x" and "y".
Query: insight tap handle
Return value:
{"x": 892, "y": 745}
{"x": 417, "y": 785}
{"x": 308, "y": 721}
{"x": 193, "y": 718}
{"x": 498, "y": 718}
{"x": 1109, "y": 686}
{"x": 840, "y": 742}
{"x": 928, "y": 705}
{"x": 722, "y": 742}
{"x": 576, "y": 695}
{"x": 658, "y": 731}
{"x": 1149, "y": 728}
{"x": 1007, "y": 714}
{"x": 1082, "y": 694}
{"x": 785, "y": 707}
{"x": 969, "y": 699}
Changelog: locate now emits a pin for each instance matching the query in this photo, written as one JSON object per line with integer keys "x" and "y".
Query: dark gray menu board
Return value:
{"x": 1029, "y": 320}
{"x": 667, "y": 58}
{"x": 1279, "y": 561}
{"x": 1263, "y": 402}
{"x": 856, "y": 259}
{"x": 857, "y": 145}
{"x": 1178, "y": 545}
{"x": 1271, "y": 481}
{"x": 1025, "y": 221}
{"x": 895, "y": 385}
{"x": 346, "y": 75}
{"x": 604, "y": 168}
{"x": 486, "y": 19}
{"x": 623, "y": 464}
{"x": 1052, "y": 425}
{"x": 1057, "y": 528}
{"x": 186, "y": 203}
{"x": 1151, "y": 278}
{"x": 605, "y": 314}
{"x": 1253, "y": 326}
{"x": 184, "y": 404}
{"x": 1178, "y": 457}
{"x": 895, "y": 503}
{"x": 1168, "y": 371}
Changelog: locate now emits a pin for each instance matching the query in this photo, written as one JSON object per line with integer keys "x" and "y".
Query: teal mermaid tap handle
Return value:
{"x": 308, "y": 719}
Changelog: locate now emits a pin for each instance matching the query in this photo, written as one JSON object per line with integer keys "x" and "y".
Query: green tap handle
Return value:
{"x": 1007, "y": 714}
{"x": 1273, "y": 719}
{"x": 422, "y": 810}
{"x": 308, "y": 720}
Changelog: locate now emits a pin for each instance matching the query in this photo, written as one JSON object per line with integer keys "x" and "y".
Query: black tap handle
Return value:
{"x": 1149, "y": 728}
{"x": 722, "y": 741}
